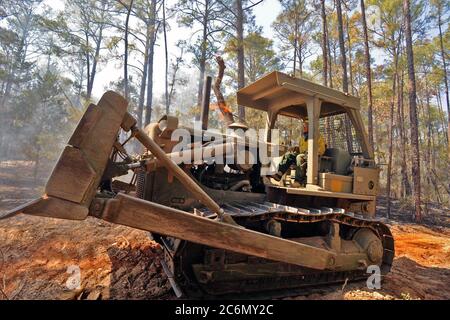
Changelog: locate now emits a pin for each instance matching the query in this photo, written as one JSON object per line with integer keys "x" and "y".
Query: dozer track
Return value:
{"x": 202, "y": 271}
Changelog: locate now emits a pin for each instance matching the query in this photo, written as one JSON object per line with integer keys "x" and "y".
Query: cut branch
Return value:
{"x": 226, "y": 112}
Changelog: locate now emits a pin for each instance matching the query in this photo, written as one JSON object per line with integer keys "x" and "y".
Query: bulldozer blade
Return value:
{"x": 19, "y": 209}
{"x": 73, "y": 183}
{"x": 145, "y": 215}
{"x": 50, "y": 207}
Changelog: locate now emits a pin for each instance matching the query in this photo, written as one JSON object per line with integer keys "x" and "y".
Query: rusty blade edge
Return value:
{"x": 19, "y": 209}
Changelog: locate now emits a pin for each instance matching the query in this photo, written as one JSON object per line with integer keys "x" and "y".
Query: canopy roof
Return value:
{"x": 280, "y": 93}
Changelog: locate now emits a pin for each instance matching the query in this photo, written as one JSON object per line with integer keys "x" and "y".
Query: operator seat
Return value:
{"x": 340, "y": 160}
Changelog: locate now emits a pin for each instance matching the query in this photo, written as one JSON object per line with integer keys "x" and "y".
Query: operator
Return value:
{"x": 302, "y": 158}
{"x": 296, "y": 158}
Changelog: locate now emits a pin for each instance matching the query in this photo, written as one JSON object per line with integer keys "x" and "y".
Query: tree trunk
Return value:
{"x": 94, "y": 63}
{"x": 442, "y": 113}
{"x": 445, "y": 80}
{"x": 140, "y": 112}
{"x": 342, "y": 47}
{"x": 88, "y": 63}
{"x": 391, "y": 126}
{"x": 331, "y": 135}
{"x": 429, "y": 158}
{"x": 294, "y": 68}
{"x": 202, "y": 61}
{"x": 330, "y": 62}
{"x": 125, "y": 62}
{"x": 240, "y": 51}
{"x": 325, "y": 62}
{"x": 148, "y": 108}
{"x": 300, "y": 59}
{"x": 429, "y": 127}
{"x": 8, "y": 88}
{"x": 324, "y": 44}
{"x": 295, "y": 44}
{"x": 422, "y": 139}
{"x": 344, "y": 72}
{"x": 174, "y": 78}
{"x": 200, "y": 84}
{"x": 350, "y": 71}
{"x": 148, "y": 113}
{"x": 166, "y": 91}
{"x": 403, "y": 140}
{"x": 36, "y": 164}
{"x": 415, "y": 156}
{"x": 368, "y": 74}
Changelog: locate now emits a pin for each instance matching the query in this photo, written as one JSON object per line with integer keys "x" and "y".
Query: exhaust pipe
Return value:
{"x": 205, "y": 102}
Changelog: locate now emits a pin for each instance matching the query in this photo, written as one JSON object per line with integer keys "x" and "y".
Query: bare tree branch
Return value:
{"x": 226, "y": 112}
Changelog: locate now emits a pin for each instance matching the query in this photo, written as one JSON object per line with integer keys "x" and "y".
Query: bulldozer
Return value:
{"x": 231, "y": 228}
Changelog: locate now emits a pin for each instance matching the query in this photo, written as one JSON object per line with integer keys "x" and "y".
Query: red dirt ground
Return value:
{"x": 122, "y": 263}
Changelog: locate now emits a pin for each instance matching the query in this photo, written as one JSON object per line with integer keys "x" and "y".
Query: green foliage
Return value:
{"x": 207, "y": 20}
{"x": 260, "y": 57}
{"x": 294, "y": 29}
{"x": 45, "y": 117}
